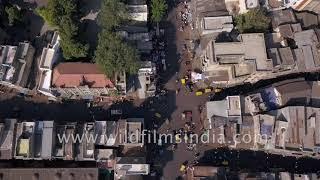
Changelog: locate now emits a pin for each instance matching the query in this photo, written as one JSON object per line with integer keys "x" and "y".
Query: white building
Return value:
{"x": 138, "y": 12}
{"x": 48, "y": 58}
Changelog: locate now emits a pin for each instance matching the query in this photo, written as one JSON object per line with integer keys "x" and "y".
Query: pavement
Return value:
{"x": 170, "y": 161}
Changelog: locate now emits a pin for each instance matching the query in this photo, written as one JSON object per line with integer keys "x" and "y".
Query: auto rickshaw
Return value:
{"x": 182, "y": 168}
{"x": 207, "y": 90}
{"x": 177, "y": 138}
{"x": 183, "y": 81}
{"x": 217, "y": 90}
{"x": 199, "y": 93}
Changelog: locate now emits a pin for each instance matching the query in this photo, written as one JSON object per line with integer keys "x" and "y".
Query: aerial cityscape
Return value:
{"x": 159, "y": 90}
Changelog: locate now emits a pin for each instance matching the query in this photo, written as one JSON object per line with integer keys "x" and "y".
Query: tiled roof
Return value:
{"x": 79, "y": 74}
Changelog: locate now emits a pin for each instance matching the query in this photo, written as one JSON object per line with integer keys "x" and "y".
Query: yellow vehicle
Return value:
{"x": 182, "y": 168}
{"x": 157, "y": 115}
{"x": 207, "y": 90}
{"x": 199, "y": 93}
{"x": 217, "y": 90}
{"x": 183, "y": 81}
{"x": 177, "y": 138}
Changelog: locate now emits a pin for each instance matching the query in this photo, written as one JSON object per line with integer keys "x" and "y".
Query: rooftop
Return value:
{"x": 64, "y": 150}
{"x": 229, "y": 108}
{"x": 79, "y": 74}
{"x": 50, "y": 173}
{"x": 237, "y": 51}
{"x": 45, "y": 82}
{"x": 307, "y": 19}
{"x": 212, "y": 24}
{"x": 25, "y": 133}
{"x": 6, "y": 138}
{"x": 293, "y": 91}
{"x": 107, "y": 132}
{"x": 281, "y": 16}
{"x": 47, "y": 58}
{"x": 130, "y": 126}
{"x": 17, "y": 62}
{"x": 47, "y": 139}
{"x": 128, "y": 166}
{"x": 138, "y": 12}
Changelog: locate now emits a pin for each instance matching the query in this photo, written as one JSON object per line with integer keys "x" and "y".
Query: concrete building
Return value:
{"x": 80, "y": 80}
{"x": 130, "y": 132}
{"x": 43, "y": 137}
{"x": 48, "y": 58}
{"x": 211, "y": 24}
{"x": 15, "y": 64}
{"x": 295, "y": 130}
{"x": 307, "y": 5}
{"x": 64, "y": 149}
{"x": 85, "y": 148}
{"x": 307, "y": 53}
{"x": 241, "y": 6}
{"x": 105, "y": 158}
{"x": 7, "y": 142}
{"x": 293, "y": 47}
{"x": 230, "y": 108}
{"x": 50, "y": 173}
{"x": 106, "y": 133}
{"x": 138, "y": 12}
{"x": 290, "y": 92}
{"x": 130, "y": 167}
{"x": 215, "y": 172}
{"x": 226, "y": 62}
{"x": 25, "y": 141}
{"x": 280, "y": 115}
{"x": 146, "y": 82}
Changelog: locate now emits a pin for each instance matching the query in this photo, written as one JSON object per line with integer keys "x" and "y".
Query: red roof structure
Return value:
{"x": 76, "y": 74}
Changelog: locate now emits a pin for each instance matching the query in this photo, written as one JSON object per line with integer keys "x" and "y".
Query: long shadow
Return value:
{"x": 89, "y": 34}
{"x": 71, "y": 111}
{"x": 89, "y": 6}
{"x": 246, "y": 88}
{"x": 26, "y": 30}
{"x": 258, "y": 161}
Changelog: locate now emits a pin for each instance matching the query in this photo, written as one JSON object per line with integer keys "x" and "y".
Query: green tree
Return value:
{"x": 253, "y": 21}
{"x": 46, "y": 15}
{"x": 14, "y": 14}
{"x": 115, "y": 56}
{"x": 63, "y": 14}
{"x": 70, "y": 44}
{"x": 113, "y": 13}
{"x": 158, "y": 10}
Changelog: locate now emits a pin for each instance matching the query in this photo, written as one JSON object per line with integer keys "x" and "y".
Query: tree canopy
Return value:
{"x": 253, "y": 21}
{"x": 63, "y": 14}
{"x": 14, "y": 14}
{"x": 158, "y": 10}
{"x": 114, "y": 56}
{"x": 113, "y": 13}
